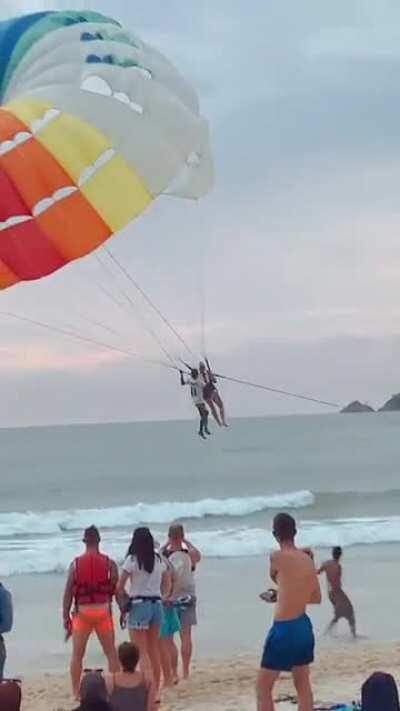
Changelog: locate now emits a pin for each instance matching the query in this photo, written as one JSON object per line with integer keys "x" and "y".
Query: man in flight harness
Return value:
{"x": 90, "y": 586}
{"x": 196, "y": 390}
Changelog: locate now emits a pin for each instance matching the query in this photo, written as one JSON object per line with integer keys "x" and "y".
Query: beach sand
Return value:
{"x": 228, "y": 685}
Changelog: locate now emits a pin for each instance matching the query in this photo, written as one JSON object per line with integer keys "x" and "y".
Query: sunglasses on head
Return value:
{"x": 91, "y": 671}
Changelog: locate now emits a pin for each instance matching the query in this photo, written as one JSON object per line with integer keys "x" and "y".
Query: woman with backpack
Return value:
{"x": 149, "y": 579}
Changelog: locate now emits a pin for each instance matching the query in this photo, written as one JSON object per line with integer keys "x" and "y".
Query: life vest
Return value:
{"x": 92, "y": 579}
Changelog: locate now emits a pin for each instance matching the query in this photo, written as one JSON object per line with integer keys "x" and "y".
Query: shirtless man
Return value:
{"x": 290, "y": 642}
{"x": 341, "y": 604}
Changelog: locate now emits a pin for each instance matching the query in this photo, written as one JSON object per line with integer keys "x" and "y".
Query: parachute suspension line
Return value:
{"x": 276, "y": 390}
{"x": 109, "y": 295}
{"x": 95, "y": 322}
{"x": 132, "y": 305}
{"x": 149, "y": 301}
{"x": 86, "y": 339}
{"x": 104, "y": 326}
{"x": 203, "y": 294}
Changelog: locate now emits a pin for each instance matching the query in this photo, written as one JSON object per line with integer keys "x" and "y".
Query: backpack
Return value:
{"x": 10, "y": 695}
{"x": 6, "y": 611}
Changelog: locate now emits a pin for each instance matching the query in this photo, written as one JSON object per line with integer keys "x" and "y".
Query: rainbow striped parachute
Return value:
{"x": 94, "y": 124}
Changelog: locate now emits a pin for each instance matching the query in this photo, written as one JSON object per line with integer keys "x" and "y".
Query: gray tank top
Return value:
{"x": 129, "y": 699}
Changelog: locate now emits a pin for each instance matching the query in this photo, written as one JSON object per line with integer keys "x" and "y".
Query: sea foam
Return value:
{"x": 51, "y": 554}
{"x": 51, "y": 522}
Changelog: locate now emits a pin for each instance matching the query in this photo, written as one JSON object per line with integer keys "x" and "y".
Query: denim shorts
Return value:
{"x": 145, "y": 614}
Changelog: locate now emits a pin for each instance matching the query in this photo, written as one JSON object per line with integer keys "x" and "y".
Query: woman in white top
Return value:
{"x": 149, "y": 578}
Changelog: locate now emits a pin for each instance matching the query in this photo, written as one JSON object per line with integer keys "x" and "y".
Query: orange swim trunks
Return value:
{"x": 93, "y": 619}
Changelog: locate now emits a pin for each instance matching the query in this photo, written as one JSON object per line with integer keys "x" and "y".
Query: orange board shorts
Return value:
{"x": 93, "y": 619}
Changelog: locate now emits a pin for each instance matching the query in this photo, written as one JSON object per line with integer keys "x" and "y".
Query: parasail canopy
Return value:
{"x": 94, "y": 125}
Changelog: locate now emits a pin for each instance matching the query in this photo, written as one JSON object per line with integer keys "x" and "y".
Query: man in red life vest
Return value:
{"x": 90, "y": 587}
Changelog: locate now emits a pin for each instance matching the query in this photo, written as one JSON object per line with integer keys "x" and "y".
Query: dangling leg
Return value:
{"x": 201, "y": 429}
{"x": 205, "y": 419}
{"x": 220, "y": 404}
{"x": 214, "y": 412}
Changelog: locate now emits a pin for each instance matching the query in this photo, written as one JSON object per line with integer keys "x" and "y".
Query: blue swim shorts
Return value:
{"x": 171, "y": 623}
{"x": 289, "y": 644}
{"x": 145, "y": 614}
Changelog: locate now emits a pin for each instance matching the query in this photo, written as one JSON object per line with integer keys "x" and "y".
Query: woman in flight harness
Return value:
{"x": 91, "y": 585}
{"x": 211, "y": 394}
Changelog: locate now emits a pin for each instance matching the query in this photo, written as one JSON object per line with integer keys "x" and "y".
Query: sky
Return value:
{"x": 286, "y": 273}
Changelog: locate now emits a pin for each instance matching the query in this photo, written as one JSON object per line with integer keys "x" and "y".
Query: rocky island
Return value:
{"x": 357, "y": 406}
{"x": 392, "y": 405}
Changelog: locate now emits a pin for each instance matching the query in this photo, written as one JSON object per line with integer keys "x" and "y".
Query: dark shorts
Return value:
{"x": 208, "y": 391}
{"x": 289, "y": 644}
{"x": 188, "y": 614}
{"x": 3, "y": 657}
{"x": 342, "y": 606}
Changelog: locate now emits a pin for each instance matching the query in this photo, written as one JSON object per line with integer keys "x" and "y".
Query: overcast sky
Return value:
{"x": 294, "y": 258}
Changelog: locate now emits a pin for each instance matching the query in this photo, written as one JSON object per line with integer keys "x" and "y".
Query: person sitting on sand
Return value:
{"x": 196, "y": 390}
{"x": 184, "y": 557}
{"x": 379, "y": 693}
{"x": 91, "y": 584}
{"x": 129, "y": 690}
{"x": 93, "y": 693}
{"x": 341, "y": 604}
{"x": 211, "y": 394}
{"x": 290, "y": 642}
{"x": 149, "y": 577}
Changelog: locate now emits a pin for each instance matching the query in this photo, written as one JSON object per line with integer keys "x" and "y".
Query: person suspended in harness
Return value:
{"x": 196, "y": 391}
{"x": 6, "y": 623}
{"x": 90, "y": 587}
{"x": 211, "y": 394}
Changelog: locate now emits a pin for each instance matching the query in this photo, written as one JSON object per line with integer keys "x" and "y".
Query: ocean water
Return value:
{"x": 337, "y": 473}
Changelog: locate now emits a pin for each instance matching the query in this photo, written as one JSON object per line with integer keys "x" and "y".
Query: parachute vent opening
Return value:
{"x": 145, "y": 73}
{"x": 91, "y": 36}
{"x": 14, "y": 220}
{"x": 21, "y": 137}
{"x": 193, "y": 160}
{"x": 97, "y": 85}
{"x": 104, "y": 59}
{"x": 90, "y": 171}
{"x": 50, "y": 201}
